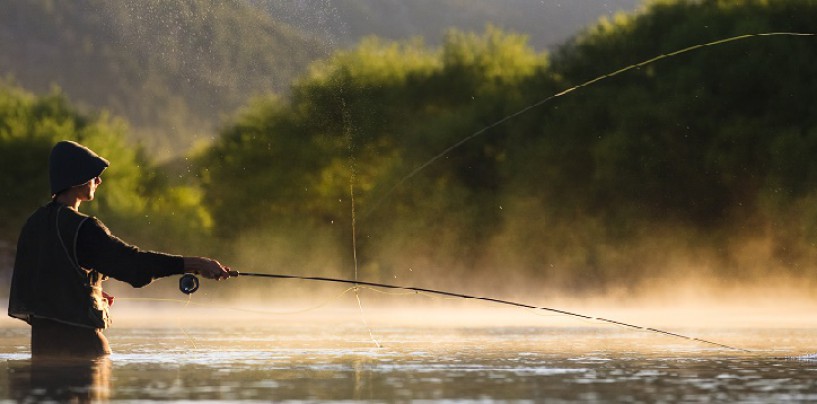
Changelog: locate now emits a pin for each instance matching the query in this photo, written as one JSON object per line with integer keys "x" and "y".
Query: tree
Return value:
{"x": 131, "y": 197}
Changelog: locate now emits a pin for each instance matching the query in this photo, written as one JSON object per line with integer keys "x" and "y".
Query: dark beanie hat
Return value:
{"x": 72, "y": 164}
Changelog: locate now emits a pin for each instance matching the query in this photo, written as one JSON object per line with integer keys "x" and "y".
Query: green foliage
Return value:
{"x": 356, "y": 124}
{"x": 129, "y": 198}
{"x": 496, "y": 58}
{"x": 691, "y": 155}
{"x": 695, "y": 131}
{"x": 699, "y": 141}
{"x": 28, "y": 129}
{"x": 680, "y": 163}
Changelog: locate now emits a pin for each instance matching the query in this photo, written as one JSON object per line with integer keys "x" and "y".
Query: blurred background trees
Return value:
{"x": 137, "y": 202}
{"x": 699, "y": 163}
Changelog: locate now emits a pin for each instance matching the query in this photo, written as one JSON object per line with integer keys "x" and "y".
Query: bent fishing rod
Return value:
{"x": 189, "y": 283}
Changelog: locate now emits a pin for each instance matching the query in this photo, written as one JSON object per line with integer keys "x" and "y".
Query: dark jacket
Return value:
{"x": 62, "y": 258}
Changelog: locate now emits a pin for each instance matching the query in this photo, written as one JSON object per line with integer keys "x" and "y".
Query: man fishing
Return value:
{"x": 63, "y": 256}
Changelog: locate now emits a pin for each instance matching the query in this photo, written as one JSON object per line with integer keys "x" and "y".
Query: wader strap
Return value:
{"x": 74, "y": 260}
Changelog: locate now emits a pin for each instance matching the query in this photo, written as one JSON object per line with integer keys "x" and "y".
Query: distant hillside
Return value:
{"x": 341, "y": 22}
{"x": 172, "y": 68}
{"x": 175, "y": 69}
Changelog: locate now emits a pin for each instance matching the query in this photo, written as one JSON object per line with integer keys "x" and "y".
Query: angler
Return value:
{"x": 63, "y": 256}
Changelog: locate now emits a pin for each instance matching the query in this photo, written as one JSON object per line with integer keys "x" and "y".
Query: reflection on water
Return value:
{"x": 340, "y": 362}
{"x": 62, "y": 380}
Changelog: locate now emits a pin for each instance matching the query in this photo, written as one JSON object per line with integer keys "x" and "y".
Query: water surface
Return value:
{"x": 307, "y": 362}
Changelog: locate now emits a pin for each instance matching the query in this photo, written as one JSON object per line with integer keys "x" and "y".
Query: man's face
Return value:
{"x": 88, "y": 189}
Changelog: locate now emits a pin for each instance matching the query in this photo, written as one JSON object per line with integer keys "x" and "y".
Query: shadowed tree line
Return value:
{"x": 699, "y": 163}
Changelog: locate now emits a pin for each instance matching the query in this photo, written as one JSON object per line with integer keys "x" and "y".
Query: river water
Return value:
{"x": 340, "y": 358}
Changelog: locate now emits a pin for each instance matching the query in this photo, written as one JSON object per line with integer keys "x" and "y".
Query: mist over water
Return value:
{"x": 255, "y": 338}
{"x": 311, "y": 362}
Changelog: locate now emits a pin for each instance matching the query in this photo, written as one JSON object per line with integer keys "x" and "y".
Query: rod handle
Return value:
{"x": 233, "y": 273}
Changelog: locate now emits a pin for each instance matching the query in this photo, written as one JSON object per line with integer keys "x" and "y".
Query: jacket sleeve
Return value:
{"x": 103, "y": 252}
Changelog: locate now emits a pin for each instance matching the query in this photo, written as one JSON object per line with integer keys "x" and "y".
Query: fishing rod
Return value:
{"x": 189, "y": 283}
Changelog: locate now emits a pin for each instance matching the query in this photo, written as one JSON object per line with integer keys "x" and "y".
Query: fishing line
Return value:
{"x": 588, "y": 83}
{"x": 184, "y": 330}
{"x": 354, "y": 257}
{"x": 418, "y": 290}
{"x": 512, "y": 116}
{"x": 357, "y": 283}
{"x": 347, "y": 127}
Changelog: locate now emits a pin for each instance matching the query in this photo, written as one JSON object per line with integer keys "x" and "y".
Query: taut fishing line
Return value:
{"x": 501, "y": 121}
{"x": 357, "y": 283}
{"x": 347, "y": 127}
{"x": 588, "y": 83}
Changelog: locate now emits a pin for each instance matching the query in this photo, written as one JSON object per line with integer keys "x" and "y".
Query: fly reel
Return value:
{"x": 188, "y": 283}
